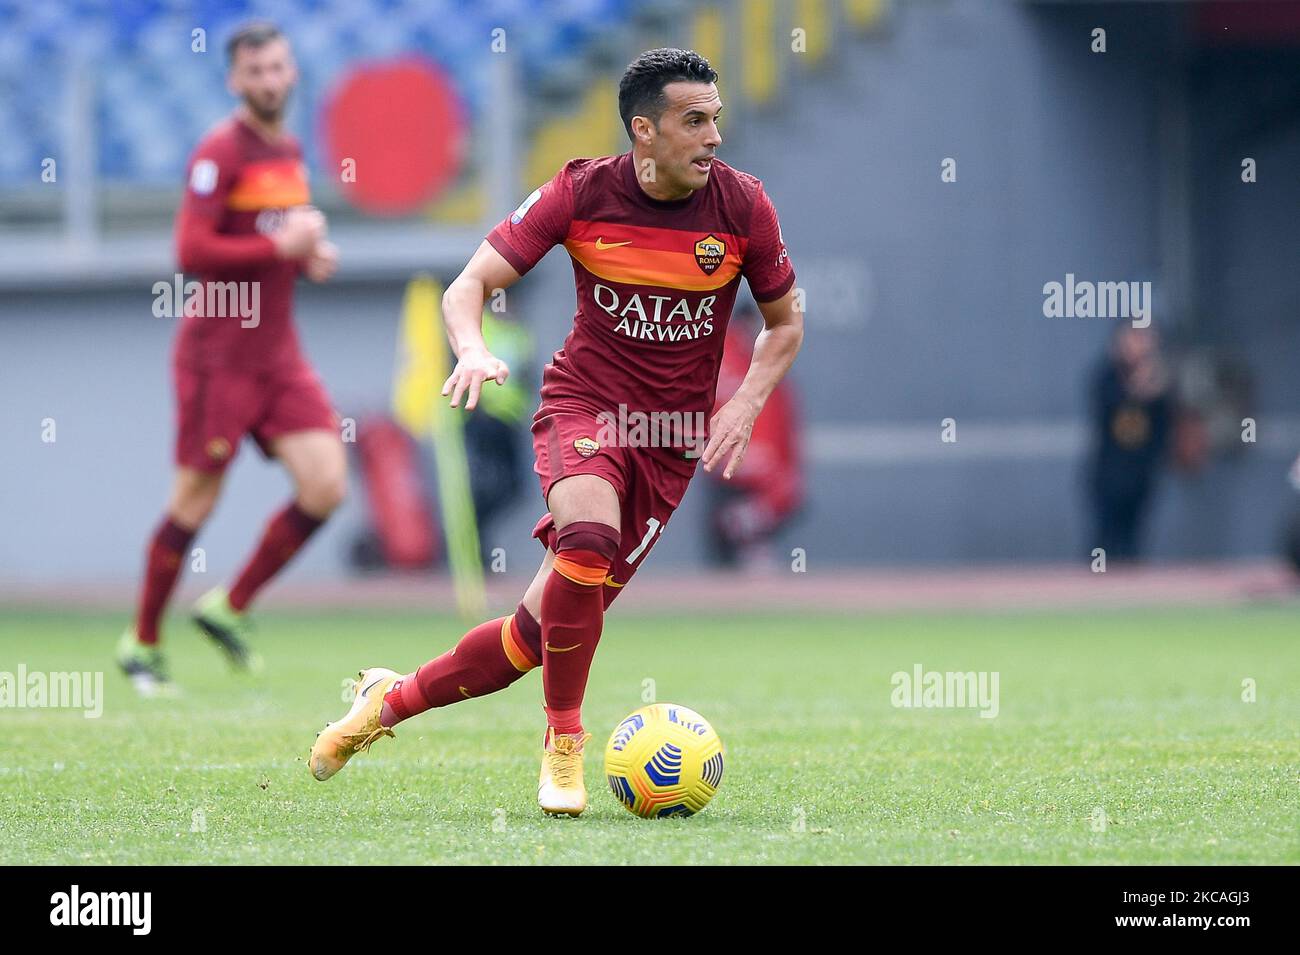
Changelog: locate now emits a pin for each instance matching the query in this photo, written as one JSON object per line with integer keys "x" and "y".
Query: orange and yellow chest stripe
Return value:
{"x": 269, "y": 184}
{"x": 695, "y": 261}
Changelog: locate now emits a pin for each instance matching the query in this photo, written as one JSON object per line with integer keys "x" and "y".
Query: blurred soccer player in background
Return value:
{"x": 246, "y": 230}
{"x": 1133, "y": 412}
{"x": 659, "y": 238}
{"x": 746, "y": 512}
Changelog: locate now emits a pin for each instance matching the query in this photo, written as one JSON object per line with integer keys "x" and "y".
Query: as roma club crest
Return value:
{"x": 709, "y": 253}
{"x": 586, "y": 446}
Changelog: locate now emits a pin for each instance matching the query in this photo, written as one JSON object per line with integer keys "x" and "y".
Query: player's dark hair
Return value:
{"x": 641, "y": 91}
{"x": 255, "y": 35}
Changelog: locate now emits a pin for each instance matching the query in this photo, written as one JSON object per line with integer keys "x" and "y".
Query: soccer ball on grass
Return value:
{"x": 664, "y": 760}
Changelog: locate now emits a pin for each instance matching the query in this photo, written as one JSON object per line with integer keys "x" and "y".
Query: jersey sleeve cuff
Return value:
{"x": 773, "y": 294}
{"x": 517, "y": 262}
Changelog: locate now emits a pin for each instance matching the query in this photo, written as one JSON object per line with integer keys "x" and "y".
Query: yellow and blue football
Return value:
{"x": 664, "y": 760}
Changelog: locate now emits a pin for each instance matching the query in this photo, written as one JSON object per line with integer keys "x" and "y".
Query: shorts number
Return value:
{"x": 652, "y": 528}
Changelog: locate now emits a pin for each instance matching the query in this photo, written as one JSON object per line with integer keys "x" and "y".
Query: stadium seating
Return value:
{"x": 151, "y": 105}
{"x": 152, "y": 95}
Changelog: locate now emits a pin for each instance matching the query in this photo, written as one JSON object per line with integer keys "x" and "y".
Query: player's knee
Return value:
{"x": 595, "y": 537}
{"x": 193, "y": 499}
{"x": 585, "y": 551}
{"x": 190, "y": 513}
{"x": 583, "y": 498}
{"x": 322, "y": 496}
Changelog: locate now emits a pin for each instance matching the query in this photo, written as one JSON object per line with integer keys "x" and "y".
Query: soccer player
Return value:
{"x": 246, "y": 229}
{"x": 660, "y": 238}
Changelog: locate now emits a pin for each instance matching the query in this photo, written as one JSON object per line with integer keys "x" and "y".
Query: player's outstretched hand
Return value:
{"x": 322, "y": 262}
{"x": 476, "y": 365}
{"x": 302, "y": 231}
{"x": 729, "y": 432}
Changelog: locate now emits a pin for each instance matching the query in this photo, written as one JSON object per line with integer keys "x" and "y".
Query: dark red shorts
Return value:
{"x": 650, "y": 483}
{"x": 215, "y": 408}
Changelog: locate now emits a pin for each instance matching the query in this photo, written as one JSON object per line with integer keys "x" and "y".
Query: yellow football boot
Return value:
{"x": 340, "y": 741}
{"x": 560, "y": 788}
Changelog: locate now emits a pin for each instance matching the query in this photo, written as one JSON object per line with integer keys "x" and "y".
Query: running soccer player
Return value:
{"x": 660, "y": 238}
{"x": 246, "y": 230}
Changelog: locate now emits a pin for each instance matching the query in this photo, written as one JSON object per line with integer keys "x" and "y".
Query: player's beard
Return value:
{"x": 264, "y": 113}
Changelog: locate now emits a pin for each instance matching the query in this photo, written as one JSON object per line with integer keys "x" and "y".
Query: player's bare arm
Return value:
{"x": 774, "y": 352}
{"x": 462, "y": 309}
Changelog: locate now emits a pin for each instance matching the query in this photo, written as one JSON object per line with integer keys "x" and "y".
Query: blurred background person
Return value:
{"x": 396, "y": 468}
{"x": 495, "y": 431}
{"x": 765, "y": 495}
{"x": 244, "y": 223}
{"x": 1132, "y": 416}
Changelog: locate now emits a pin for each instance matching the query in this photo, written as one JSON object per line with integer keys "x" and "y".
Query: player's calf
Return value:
{"x": 573, "y": 611}
{"x": 285, "y": 534}
{"x": 490, "y": 657}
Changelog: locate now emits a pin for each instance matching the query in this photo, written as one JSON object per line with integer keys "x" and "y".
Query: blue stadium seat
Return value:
{"x": 155, "y": 98}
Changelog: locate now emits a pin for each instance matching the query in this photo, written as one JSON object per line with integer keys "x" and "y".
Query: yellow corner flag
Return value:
{"x": 422, "y": 367}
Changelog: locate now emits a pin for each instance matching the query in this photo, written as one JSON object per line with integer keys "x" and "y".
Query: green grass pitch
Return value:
{"x": 1135, "y": 714}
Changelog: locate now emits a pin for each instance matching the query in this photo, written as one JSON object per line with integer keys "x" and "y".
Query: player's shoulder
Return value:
{"x": 734, "y": 183}
{"x": 224, "y": 134}
{"x": 221, "y": 145}
{"x": 584, "y": 171}
{"x": 231, "y": 140}
{"x": 740, "y": 194}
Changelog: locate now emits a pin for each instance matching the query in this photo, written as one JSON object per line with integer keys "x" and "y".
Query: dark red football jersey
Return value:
{"x": 237, "y": 190}
{"x": 656, "y": 280}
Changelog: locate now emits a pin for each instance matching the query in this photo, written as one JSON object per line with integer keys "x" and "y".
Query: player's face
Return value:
{"x": 264, "y": 76}
{"x": 687, "y": 136}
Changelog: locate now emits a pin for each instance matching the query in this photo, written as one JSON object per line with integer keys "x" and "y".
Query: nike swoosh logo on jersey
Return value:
{"x": 611, "y": 582}
{"x": 562, "y": 649}
{"x": 602, "y": 245}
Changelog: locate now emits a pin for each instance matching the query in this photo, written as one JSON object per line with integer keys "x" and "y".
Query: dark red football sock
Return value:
{"x": 165, "y": 556}
{"x": 488, "y": 658}
{"x": 286, "y": 532}
{"x": 573, "y": 612}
